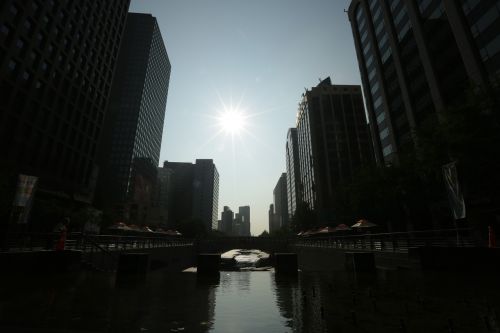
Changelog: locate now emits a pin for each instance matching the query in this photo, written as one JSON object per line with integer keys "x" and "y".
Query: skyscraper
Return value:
{"x": 134, "y": 123}
{"x": 227, "y": 220}
{"x": 293, "y": 172}
{"x": 206, "y": 193}
{"x": 194, "y": 192}
{"x": 272, "y": 220}
{"x": 281, "y": 202}
{"x": 244, "y": 214}
{"x": 417, "y": 58}
{"x": 57, "y": 61}
{"x": 333, "y": 142}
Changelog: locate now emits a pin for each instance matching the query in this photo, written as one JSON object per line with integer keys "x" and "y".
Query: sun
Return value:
{"x": 231, "y": 121}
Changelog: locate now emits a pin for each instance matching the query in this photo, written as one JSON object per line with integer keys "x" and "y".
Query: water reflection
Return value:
{"x": 252, "y": 302}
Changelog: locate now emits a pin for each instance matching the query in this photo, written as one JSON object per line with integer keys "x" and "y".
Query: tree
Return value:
{"x": 264, "y": 234}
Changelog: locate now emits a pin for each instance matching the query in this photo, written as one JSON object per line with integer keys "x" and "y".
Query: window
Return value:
{"x": 380, "y": 118}
{"x": 387, "y": 150}
{"x": 384, "y": 134}
{"x": 19, "y": 44}
{"x": 12, "y": 65}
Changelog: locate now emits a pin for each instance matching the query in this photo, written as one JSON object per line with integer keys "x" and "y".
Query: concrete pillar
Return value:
{"x": 360, "y": 261}
{"x": 286, "y": 263}
{"x": 208, "y": 263}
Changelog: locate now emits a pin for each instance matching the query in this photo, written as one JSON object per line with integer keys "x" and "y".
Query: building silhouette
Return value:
{"x": 294, "y": 187}
{"x": 194, "y": 192}
{"x": 227, "y": 220}
{"x": 244, "y": 214}
{"x": 206, "y": 193}
{"x": 272, "y": 219}
{"x": 57, "y": 61}
{"x": 417, "y": 58}
{"x": 161, "y": 198}
{"x": 334, "y": 143}
{"x": 281, "y": 203}
{"x": 134, "y": 123}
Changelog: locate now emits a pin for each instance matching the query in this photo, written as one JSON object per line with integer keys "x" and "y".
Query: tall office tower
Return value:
{"x": 57, "y": 61}
{"x": 272, "y": 220}
{"x": 334, "y": 143}
{"x": 194, "y": 192}
{"x": 244, "y": 213}
{"x": 281, "y": 202}
{"x": 206, "y": 193}
{"x": 237, "y": 225}
{"x": 293, "y": 183}
{"x": 134, "y": 122}
{"x": 227, "y": 219}
{"x": 417, "y": 58}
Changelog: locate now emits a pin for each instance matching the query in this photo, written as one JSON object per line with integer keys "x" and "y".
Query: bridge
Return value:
{"x": 102, "y": 251}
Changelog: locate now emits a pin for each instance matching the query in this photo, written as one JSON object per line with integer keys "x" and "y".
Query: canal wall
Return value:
{"x": 330, "y": 259}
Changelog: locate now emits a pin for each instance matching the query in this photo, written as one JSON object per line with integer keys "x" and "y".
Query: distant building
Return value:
{"x": 273, "y": 225}
{"x": 55, "y": 76}
{"x": 244, "y": 214}
{"x": 227, "y": 219}
{"x": 195, "y": 192}
{"x": 134, "y": 122}
{"x": 417, "y": 58}
{"x": 281, "y": 202}
{"x": 161, "y": 197}
{"x": 294, "y": 187}
{"x": 334, "y": 143}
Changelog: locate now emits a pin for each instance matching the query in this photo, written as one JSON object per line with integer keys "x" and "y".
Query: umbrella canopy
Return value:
{"x": 342, "y": 227}
{"x": 363, "y": 224}
{"x": 325, "y": 230}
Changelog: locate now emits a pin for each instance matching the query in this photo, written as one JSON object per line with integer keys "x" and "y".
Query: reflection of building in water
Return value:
{"x": 168, "y": 302}
{"x": 304, "y": 302}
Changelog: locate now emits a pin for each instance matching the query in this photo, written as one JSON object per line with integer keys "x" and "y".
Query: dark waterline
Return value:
{"x": 388, "y": 301}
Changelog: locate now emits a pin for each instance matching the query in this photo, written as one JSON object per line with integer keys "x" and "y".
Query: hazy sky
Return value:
{"x": 259, "y": 54}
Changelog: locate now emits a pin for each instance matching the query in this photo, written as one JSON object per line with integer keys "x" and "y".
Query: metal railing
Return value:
{"x": 392, "y": 242}
{"x": 88, "y": 242}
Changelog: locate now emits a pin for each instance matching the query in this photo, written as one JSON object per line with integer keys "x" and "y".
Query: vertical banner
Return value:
{"x": 455, "y": 196}
{"x": 24, "y": 198}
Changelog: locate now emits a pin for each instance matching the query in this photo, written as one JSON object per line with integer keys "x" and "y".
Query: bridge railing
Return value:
{"x": 89, "y": 242}
{"x": 392, "y": 242}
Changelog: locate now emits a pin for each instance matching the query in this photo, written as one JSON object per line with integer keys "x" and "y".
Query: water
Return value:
{"x": 388, "y": 301}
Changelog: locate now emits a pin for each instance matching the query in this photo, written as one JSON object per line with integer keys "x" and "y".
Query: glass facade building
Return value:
{"x": 417, "y": 57}
{"x": 293, "y": 171}
{"x": 57, "y": 62}
{"x": 134, "y": 124}
{"x": 194, "y": 192}
{"x": 333, "y": 141}
{"x": 281, "y": 202}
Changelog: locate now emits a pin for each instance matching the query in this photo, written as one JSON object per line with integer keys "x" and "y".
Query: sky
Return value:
{"x": 256, "y": 58}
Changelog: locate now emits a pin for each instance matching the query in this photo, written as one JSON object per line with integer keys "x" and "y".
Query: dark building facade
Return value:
{"x": 134, "y": 122}
{"x": 281, "y": 202}
{"x": 194, "y": 192}
{"x": 417, "y": 57}
{"x": 57, "y": 61}
{"x": 244, "y": 215}
{"x": 271, "y": 219}
{"x": 294, "y": 187}
{"x": 206, "y": 193}
{"x": 227, "y": 221}
{"x": 333, "y": 140}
